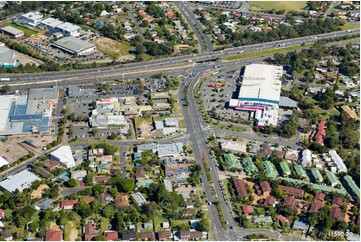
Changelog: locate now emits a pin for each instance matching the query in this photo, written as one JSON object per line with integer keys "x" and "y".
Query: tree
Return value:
{"x": 204, "y": 225}
{"x": 5, "y": 89}
{"x": 83, "y": 209}
{"x": 72, "y": 183}
{"x": 113, "y": 136}
{"x": 126, "y": 185}
{"x": 100, "y": 238}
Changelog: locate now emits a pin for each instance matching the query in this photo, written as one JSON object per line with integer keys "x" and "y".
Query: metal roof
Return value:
{"x": 20, "y": 181}
{"x": 269, "y": 169}
{"x": 72, "y": 44}
{"x": 288, "y": 102}
{"x": 316, "y": 174}
{"x": 299, "y": 171}
{"x": 332, "y": 178}
{"x": 351, "y": 183}
{"x": 284, "y": 167}
{"x": 12, "y": 30}
{"x": 7, "y": 56}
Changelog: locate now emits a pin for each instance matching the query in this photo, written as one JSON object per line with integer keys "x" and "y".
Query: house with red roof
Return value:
{"x": 247, "y": 210}
{"x": 290, "y": 201}
{"x": 292, "y": 191}
{"x": 283, "y": 220}
{"x": 337, "y": 213}
{"x": 265, "y": 186}
{"x": 53, "y": 235}
{"x": 270, "y": 201}
{"x": 320, "y": 197}
{"x": 241, "y": 188}
{"x": 321, "y": 132}
{"x": 111, "y": 235}
{"x": 68, "y": 204}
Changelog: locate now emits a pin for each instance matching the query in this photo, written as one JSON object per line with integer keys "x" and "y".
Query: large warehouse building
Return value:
{"x": 28, "y": 113}
{"x": 260, "y": 93}
{"x": 75, "y": 46}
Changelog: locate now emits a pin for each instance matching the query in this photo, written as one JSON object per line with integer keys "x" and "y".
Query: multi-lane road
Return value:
{"x": 158, "y": 65}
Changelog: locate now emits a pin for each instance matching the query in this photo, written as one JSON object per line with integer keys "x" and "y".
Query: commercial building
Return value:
{"x": 64, "y": 156}
{"x": 284, "y": 168}
{"x": 316, "y": 175}
{"x": 28, "y": 113}
{"x": 299, "y": 171}
{"x": 249, "y": 167}
{"x": 260, "y": 93}
{"x": 20, "y": 181}
{"x": 341, "y": 167}
{"x": 7, "y": 58}
{"x": 3, "y": 162}
{"x": 32, "y": 18}
{"x": 66, "y": 28}
{"x": 75, "y": 46}
{"x": 12, "y": 31}
{"x": 170, "y": 150}
{"x": 332, "y": 178}
{"x": 306, "y": 158}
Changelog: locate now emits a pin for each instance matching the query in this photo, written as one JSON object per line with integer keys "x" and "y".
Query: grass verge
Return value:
{"x": 279, "y": 5}
{"x": 265, "y": 52}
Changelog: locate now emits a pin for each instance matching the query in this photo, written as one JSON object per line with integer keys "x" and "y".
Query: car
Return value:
{"x": 209, "y": 203}
{"x": 227, "y": 222}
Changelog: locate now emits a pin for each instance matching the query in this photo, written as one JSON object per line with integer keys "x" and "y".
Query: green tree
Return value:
{"x": 72, "y": 183}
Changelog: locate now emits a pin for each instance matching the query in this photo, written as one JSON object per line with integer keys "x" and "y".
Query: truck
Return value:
{"x": 4, "y": 79}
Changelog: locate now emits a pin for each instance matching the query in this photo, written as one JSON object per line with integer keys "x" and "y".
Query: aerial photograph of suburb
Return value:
{"x": 179, "y": 120}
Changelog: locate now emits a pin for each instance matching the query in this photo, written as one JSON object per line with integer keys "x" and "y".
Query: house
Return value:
{"x": 111, "y": 235}
{"x": 165, "y": 235}
{"x": 265, "y": 186}
{"x": 241, "y": 188}
{"x": 292, "y": 191}
{"x": 89, "y": 231}
{"x": 101, "y": 179}
{"x": 320, "y": 197}
{"x": 315, "y": 207}
{"x": 283, "y": 220}
{"x": 247, "y": 210}
{"x": 269, "y": 201}
{"x": 122, "y": 200}
{"x": 149, "y": 236}
{"x": 79, "y": 174}
{"x": 337, "y": 213}
{"x": 7, "y": 235}
{"x": 51, "y": 165}
{"x": 105, "y": 198}
{"x": 165, "y": 225}
{"x": 290, "y": 201}
{"x": 269, "y": 169}
{"x": 139, "y": 199}
{"x": 148, "y": 225}
{"x": 284, "y": 168}
{"x": 321, "y": 132}
{"x": 129, "y": 235}
{"x": 338, "y": 201}
{"x": 306, "y": 158}
{"x": 184, "y": 235}
{"x": 266, "y": 150}
{"x": 139, "y": 173}
{"x": 64, "y": 156}
{"x": 68, "y": 204}
{"x": 301, "y": 224}
{"x": 44, "y": 205}
{"x": 103, "y": 169}
{"x": 278, "y": 154}
{"x": 197, "y": 235}
{"x": 53, "y": 235}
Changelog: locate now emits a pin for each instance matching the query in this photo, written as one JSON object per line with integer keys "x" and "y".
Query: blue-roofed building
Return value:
{"x": 301, "y": 224}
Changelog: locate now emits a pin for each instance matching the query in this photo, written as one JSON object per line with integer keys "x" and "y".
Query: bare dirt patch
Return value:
{"x": 114, "y": 49}
{"x": 71, "y": 233}
{"x": 145, "y": 128}
{"x": 38, "y": 192}
{"x": 53, "y": 225}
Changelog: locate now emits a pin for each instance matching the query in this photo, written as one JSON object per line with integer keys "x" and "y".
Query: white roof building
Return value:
{"x": 3, "y": 162}
{"x": 235, "y": 147}
{"x": 51, "y": 23}
{"x": 69, "y": 29}
{"x": 64, "y": 156}
{"x": 341, "y": 167}
{"x": 20, "y": 181}
{"x": 166, "y": 150}
{"x": 306, "y": 158}
{"x": 5, "y": 105}
{"x": 260, "y": 91}
{"x": 171, "y": 122}
{"x": 33, "y": 18}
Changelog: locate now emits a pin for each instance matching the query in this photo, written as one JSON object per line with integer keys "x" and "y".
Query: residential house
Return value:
{"x": 266, "y": 150}
{"x": 337, "y": 213}
{"x": 149, "y": 236}
{"x": 269, "y": 201}
{"x": 315, "y": 207}
{"x": 139, "y": 173}
{"x": 319, "y": 196}
{"x": 301, "y": 224}
{"x": 283, "y": 220}
{"x": 269, "y": 169}
{"x": 165, "y": 235}
{"x": 89, "y": 231}
{"x": 306, "y": 158}
{"x": 247, "y": 210}
{"x": 290, "y": 201}
{"x": 43, "y": 205}
{"x": 292, "y": 191}
{"x": 321, "y": 132}
{"x": 103, "y": 169}
{"x": 105, "y": 198}
{"x": 53, "y": 235}
{"x": 129, "y": 235}
{"x": 68, "y": 204}
{"x": 265, "y": 186}
{"x": 338, "y": 201}
{"x": 51, "y": 165}
{"x": 87, "y": 199}
{"x": 101, "y": 179}
{"x": 241, "y": 188}
{"x": 111, "y": 235}
{"x": 122, "y": 200}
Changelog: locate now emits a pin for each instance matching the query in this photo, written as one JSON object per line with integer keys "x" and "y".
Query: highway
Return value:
{"x": 160, "y": 65}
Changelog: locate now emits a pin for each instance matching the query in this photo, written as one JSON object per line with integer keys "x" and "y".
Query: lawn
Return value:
{"x": 157, "y": 222}
{"x": 113, "y": 48}
{"x": 348, "y": 26}
{"x": 179, "y": 222}
{"x": 27, "y": 32}
{"x": 265, "y": 52}
{"x": 278, "y": 5}
{"x": 70, "y": 231}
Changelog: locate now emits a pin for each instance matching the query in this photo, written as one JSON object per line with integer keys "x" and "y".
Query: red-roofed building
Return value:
{"x": 53, "y": 235}
{"x": 169, "y": 13}
{"x": 247, "y": 210}
{"x": 292, "y": 191}
{"x": 90, "y": 232}
{"x": 270, "y": 201}
{"x": 320, "y": 197}
{"x": 337, "y": 213}
{"x": 315, "y": 207}
{"x": 290, "y": 201}
{"x": 111, "y": 235}
{"x": 321, "y": 132}
{"x": 265, "y": 186}
{"x": 122, "y": 200}
{"x": 338, "y": 201}
{"x": 87, "y": 199}
{"x": 68, "y": 204}
{"x": 283, "y": 220}
{"x": 241, "y": 188}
